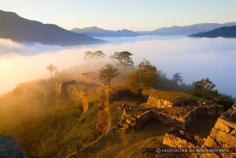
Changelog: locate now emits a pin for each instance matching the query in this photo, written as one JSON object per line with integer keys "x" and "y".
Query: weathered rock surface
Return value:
{"x": 9, "y": 148}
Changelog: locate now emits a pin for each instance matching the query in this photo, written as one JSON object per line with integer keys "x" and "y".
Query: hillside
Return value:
{"x": 79, "y": 114}
{"x": 99, "y": 32}
{"x": 16, "y": 28}
{"x": 227, "y": 32}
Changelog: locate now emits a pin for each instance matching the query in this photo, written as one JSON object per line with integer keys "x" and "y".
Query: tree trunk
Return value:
{"x": 140, "y": 92}
{"x": 109, "y": 84}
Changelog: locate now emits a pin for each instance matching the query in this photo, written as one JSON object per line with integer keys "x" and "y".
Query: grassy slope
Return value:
{"x": 46, "y": 126}
{"x": 116, "y": 145}
{"x": 62, "y": 130}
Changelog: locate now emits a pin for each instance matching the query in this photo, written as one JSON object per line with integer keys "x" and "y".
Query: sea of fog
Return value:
{"x": 194, "y": 58}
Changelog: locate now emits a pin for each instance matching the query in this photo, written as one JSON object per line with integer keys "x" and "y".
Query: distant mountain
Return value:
{"x": 19, "y": 29}
{"x": 227, "y": 32}
{"x": 170, "y": 31}
{"x": 187, "y": 30}
{"x": 99, "y": 32}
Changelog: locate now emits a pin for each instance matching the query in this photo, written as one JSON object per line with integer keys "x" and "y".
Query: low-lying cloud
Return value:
{"x": 9, "y": 47}
{"x": 194, "y": 58}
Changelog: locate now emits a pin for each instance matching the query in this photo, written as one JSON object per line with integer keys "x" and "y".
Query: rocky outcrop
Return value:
{"x": 9, "y": 148}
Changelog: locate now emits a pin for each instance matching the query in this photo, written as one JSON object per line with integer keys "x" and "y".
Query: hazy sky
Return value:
{"x": 117, "y": 14}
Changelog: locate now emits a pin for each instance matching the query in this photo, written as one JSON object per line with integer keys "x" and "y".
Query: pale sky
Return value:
{"x": 118, "y": 14}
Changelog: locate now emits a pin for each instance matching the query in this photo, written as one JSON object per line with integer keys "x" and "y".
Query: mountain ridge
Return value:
{"x": 226, "y": 32}
{"x": 17, "y": 28}
{"x": 100, "y": 32}
{"x": 188, "y": 29}
{"x": 173, "y": 30}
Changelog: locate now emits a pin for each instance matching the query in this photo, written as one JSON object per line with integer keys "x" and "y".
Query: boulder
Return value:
{"x": 9, "y": 148}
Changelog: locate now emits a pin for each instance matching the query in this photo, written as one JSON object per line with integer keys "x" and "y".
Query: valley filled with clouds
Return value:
{"x": 193, "y": 58}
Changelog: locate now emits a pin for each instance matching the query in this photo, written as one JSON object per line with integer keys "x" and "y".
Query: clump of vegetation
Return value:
{"x": 174, "y": 83}
{"x": 205, "y": 88}
{"x": 177, "y": 78}
{"x": 144, "y": 76}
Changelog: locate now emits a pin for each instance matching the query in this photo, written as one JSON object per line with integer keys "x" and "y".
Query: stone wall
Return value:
{"x": 71, "y": 90}
{"x": 222, "y": 135}
{"x": 176, "y": 138}
{"x": 80, "y": 96}
{"x": 138, "y": 119}
{"x": 62, "y": 87}
{"x": 167, "y": 99}
{"x": 135, "y": 120}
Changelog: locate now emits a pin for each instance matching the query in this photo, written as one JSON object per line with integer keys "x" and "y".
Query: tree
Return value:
{"x": 94, "y": 55}
{"x": 145, "y": 64}
{"x": 88, "y": 55}
{"x": 124, "y": 58}
{"x": 52, "y": 69}
{"x": 177, "y": 78}
{"x": 107, "y": 73}
{"x": 205, "y": 88}
{"x": 99, "y": 54}
{"x": 145, "y": 76}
